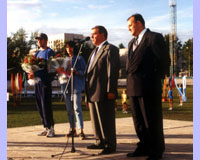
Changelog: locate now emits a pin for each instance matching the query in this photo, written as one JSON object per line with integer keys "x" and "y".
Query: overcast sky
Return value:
{"x": 79, "y": 16}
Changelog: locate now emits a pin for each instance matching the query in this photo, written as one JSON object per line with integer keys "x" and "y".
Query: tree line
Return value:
{"x": 19, "y": 45}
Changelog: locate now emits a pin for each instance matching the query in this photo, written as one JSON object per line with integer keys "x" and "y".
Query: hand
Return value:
{"x": 68, "y": 72}
{"x": 110, "y": 96}
{"x": 86, "y": 104}
{"x": 30, "y": 75}
{"x": 76, "y": 73}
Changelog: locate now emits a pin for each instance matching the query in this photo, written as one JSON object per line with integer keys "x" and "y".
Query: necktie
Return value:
{"x": 134, "y": 46}
{"x": 135, "y": 43}
{"x": 92, "y": 58}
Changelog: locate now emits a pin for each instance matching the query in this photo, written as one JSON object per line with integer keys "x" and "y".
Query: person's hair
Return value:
{"x": 138, "y": 17}
{"x": 70, "y": 44}
{"x": 103, "y": 30}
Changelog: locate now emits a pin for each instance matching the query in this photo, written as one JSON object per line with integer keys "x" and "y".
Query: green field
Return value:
{"x": 26, "y": 113}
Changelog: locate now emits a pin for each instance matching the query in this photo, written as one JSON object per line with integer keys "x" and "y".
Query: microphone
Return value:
{"x": 84, "y": 40}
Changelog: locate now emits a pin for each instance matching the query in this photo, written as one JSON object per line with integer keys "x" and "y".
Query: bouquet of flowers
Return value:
{"x": 60, "y": 61}
{"x": 32, "y": 64}
{"x": 56, "y": 62}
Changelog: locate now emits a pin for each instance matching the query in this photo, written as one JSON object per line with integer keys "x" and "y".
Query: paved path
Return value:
{"x": 24, "y": 144}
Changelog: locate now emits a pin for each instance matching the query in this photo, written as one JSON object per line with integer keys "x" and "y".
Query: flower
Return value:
{"x": 58, "y": 55}
{"x": 25, "y": 60}
{"x": 62, "y": 63}
{"x": 32, "y": 60}
{"x": 32, "y": 64}
{"x": 58, "y": 62}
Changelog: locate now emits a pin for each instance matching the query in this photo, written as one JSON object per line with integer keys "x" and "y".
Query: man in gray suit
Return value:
{"x": 101, "y": 90}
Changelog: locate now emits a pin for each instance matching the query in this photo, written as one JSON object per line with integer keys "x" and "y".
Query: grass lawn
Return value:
{"x": 26, "y": 113}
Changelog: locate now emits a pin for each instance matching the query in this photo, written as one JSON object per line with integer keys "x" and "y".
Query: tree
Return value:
{"x": 33, "y": 41}
{"x": 121, "y": 45}
{"x": 17, "y": 47}
{"x": 187, "y": 51}
{"x": 178, "y": 46}
{"x": 58, "y": 46}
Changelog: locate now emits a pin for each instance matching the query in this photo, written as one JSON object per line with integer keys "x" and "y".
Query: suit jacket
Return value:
{"x": 103, "y": 74}
{"x": 147, "y": 65}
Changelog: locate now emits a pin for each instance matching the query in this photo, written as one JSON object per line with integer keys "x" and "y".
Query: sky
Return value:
{"x": 79, "y": 16}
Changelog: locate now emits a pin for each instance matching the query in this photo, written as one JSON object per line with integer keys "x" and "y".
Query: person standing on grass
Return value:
{"x": 170, "y": 98}
{"x": 180, "y": 93}
{"x": 124, "y": 102}
{"x": 184, "y": 85}
{"x": 43, "y": 88}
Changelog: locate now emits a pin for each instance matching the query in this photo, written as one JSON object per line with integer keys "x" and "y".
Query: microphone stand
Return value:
{"x": 73, "y": 150}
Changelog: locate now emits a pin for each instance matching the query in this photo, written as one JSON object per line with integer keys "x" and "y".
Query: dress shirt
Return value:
{"x": 140, "y": 36}
{"x": 94, "y": 54}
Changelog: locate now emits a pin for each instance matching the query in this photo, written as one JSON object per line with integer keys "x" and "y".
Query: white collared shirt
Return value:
{"x": 140, "y": 36}
{"x": 92, "y": 58}
{"x": 101, "y": 45}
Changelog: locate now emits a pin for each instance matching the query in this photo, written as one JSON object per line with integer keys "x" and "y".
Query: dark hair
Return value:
{"x": 138, "y": 17}
{"x": 70, "y": 44}
{"x": 102, "y": 29}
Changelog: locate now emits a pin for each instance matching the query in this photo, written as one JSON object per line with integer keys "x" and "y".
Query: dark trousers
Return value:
{"x": 107, "y": 114}
{"x": 43, "y": 103}
{"x": 148, "y": 121}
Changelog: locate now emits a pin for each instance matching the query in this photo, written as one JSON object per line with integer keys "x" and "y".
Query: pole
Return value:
{"x": 72, "y": 96}
{"x": 189, "y": 63}
{"x": 72, "y": 106}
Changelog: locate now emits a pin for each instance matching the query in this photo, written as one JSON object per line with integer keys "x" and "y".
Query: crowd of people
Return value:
{"x": 170, "y": 85}
{"x": 147, "y": 63}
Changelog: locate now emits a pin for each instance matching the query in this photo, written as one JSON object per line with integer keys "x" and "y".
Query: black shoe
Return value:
{"x": 137, "y": 153}
{"x": 82, "y": 136}
{"x": 94, "y": 146}
{"x": 133, "y": 154}
{"x": 153, "y": 158}
{"x": 107, "y": 151}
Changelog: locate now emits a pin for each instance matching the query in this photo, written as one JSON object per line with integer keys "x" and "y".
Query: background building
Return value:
{"x": 56, "y": 42}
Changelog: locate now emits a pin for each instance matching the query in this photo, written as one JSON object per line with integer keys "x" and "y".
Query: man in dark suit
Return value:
{"x": 102, "y": 72}
{"x": 147, "y": 63}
